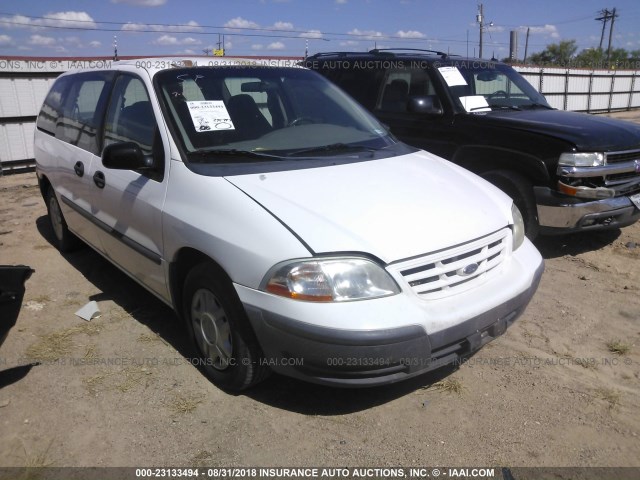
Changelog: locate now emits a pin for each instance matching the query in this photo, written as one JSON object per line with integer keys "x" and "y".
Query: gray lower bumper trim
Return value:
{"x": 365, "y": 358}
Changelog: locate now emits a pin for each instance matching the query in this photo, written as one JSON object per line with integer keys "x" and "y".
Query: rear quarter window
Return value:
{"x": 83, "y": 110}
{"x": 52, "y": 107}
{"x": 74, "y": 108}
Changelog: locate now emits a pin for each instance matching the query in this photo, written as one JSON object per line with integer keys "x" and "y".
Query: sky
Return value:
{"x": 290, "y": 27}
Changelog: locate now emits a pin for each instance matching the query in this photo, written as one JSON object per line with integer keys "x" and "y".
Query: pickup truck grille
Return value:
{"x": 630, "y": 157}
{"x": 448, "y": 272}
{"x": 619, "y": 157}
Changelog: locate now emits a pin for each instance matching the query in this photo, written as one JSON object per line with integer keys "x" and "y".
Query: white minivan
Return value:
{"x": 287, "y": 227}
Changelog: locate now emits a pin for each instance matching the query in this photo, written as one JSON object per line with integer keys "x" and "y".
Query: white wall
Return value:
{"x": 24, "y": 84}
{"x": 586, "y": 90}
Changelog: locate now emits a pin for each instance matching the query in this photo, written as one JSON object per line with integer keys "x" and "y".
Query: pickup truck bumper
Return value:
{"x": 559, "y": 214}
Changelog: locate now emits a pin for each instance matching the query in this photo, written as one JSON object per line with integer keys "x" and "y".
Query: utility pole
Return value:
{"x": 604, "y": 17}
{"x": 480, "y": 20}
{"x": 526, "y": 47}
{"x": 613, "y": 18}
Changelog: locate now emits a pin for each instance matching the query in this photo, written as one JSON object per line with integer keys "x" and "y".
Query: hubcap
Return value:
{"x": 211, "y": 328}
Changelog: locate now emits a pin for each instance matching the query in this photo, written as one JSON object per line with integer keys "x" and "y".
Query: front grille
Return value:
{"x": 450, "y": 271}
{"x": 631, "y": 157}
{"x": 618, "y": 178}
{"x": 619, "y": 157}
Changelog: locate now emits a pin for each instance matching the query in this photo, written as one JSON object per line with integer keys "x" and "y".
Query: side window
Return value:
{"x": 130, "y": 116}
{"x": 361, "y": 83}
{"x": 400, "y": 85}
{"x": 52, "y": 107}
{"x": 83, "y": 109}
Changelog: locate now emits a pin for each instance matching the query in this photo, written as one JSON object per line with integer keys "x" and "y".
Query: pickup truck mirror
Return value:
{"x": 429, "y": 104}
{"x": 126, "y": 156}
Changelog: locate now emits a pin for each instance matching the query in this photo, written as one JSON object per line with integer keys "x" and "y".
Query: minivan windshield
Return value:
{"x": 245, "y": 113}
{"x": 479, "y": 86}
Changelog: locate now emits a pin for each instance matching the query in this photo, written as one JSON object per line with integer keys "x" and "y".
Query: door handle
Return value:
{"x": 79, "y": 169}
{"x": 98, "y": 179}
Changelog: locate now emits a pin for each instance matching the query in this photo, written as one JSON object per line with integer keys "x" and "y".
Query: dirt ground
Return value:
{"x": 560, "y": 388}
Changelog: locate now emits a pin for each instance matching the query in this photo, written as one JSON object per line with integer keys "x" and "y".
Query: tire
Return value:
{"x": 64, "y": 240}
{"x": 220, "y": 331}
{"x": 520, "y": 189}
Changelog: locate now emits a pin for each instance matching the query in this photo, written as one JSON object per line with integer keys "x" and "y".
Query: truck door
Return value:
{"x": 429, "y": 131}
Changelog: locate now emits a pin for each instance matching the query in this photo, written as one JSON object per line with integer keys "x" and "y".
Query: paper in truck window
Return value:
{"x": 210, "y": 116}
{"x": 452, "y": 76}
{"x": 475, "y": 103}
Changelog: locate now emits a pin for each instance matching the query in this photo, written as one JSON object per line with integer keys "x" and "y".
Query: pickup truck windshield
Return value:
{"x": 275, "y": 112}
{"x": 484, "y": 86}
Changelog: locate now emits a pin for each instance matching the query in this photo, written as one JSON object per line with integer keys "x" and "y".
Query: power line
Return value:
{"x": 192, "y": 29}
{"x": 227, "y": 30}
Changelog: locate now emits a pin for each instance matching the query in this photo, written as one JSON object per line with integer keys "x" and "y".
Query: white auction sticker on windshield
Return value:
{"x": 475, "y": 103}
{"x": 210, "y": 116}
{"x": 452, "y": 76}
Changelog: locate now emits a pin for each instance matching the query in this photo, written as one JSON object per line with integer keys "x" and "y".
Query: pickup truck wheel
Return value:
{"x": 65, "y": 241}
{"x": 521, "y": 191}
{"x": 218, "y": 325}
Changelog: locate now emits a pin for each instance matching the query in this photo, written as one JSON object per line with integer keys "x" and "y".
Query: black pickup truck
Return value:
{"x": 566, "y": 171}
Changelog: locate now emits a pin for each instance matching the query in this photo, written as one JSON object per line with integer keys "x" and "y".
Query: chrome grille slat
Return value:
{"x": 440, "y": 274}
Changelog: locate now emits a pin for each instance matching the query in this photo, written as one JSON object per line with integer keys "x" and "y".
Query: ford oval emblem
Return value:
{"x": 468, "y": 270}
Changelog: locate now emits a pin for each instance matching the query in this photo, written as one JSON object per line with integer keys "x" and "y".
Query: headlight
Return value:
{"x": 518, "y": 227}
{"x": 591, "y": 159}
{"x": 330, "y": 280}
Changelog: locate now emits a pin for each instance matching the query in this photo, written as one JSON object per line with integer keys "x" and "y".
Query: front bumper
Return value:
{"x": 559, "y": 214}
{"x": 366, "y": 357}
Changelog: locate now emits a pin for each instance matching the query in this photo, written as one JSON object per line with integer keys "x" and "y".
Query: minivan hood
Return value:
{"x": 392, "y": 208}
{"x": 586, "y": 132}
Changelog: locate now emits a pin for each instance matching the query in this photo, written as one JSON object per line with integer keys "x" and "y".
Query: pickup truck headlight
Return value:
{"x": 330, "y": 280}
{"x": 518, "y": 227}
{"x": 575, "y": 159}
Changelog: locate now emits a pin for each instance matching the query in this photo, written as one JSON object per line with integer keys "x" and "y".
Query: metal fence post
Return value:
{"x": 631, "y": 90}
{"x": 611, "y": 90}
{"x": 590, "y": 91}
{"x": 566, "y": 89}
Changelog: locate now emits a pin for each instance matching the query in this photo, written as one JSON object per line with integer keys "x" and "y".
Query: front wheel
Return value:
{"x": 520, "y": 189}
{"x": 65, "y": 241}
{"x": 218, "y": 325}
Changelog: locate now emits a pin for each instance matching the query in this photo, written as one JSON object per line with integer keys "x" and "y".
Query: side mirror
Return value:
{"x": 126, "y": 156}
{"x": 428, "y": 104}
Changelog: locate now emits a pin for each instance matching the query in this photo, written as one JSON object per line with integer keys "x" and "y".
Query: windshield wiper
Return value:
{"x": 247, "y": 155}
{"x": 333, "y": 147}
{"x": 505, "y": 107}
{"x": 538, "y": 105}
